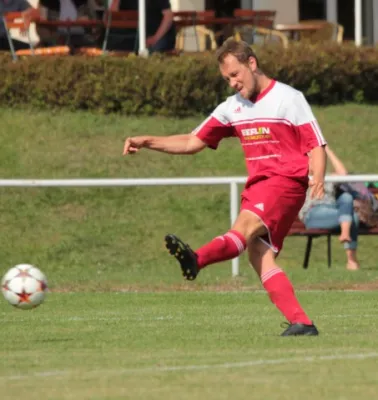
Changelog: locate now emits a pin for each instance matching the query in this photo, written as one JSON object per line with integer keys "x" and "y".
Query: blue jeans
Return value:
{"x": 329, "y": 216}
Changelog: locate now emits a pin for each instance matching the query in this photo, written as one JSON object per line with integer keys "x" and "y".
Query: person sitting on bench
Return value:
{"x": 334, "y": 212}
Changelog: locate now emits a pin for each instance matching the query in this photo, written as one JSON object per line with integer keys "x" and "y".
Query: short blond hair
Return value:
{"x": 241, "y": 50}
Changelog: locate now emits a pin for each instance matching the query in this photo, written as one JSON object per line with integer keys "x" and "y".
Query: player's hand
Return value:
{"x": 132, "y": 145}
{"x": 316, "y": 188}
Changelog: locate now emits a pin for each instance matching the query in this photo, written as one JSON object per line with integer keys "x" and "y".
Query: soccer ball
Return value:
{"x": 24, "y": 286}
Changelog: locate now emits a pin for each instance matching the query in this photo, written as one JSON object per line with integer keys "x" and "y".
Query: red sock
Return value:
{"x": 221, "y": 248}
{"x": 281, "y": 293}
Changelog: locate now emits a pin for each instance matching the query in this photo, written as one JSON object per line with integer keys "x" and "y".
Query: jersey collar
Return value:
{"x": 262, "y": 94}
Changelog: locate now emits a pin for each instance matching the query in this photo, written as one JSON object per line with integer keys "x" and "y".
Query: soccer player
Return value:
{"x": 278, "y": 131}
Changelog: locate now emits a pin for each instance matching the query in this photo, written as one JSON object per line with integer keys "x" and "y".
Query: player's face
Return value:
{"x": 240, "y": 76}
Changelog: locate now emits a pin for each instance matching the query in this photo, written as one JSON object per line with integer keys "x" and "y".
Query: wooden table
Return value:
{"x": 223, "y": 27}
{"x": 84, "y": 23}
{"x": 294, "y": 30}
{"x": 216, "y": 23}
{"x": 65, "y": 36}
{"x": 223, "y": 21}
{"x": 133, "y": 24}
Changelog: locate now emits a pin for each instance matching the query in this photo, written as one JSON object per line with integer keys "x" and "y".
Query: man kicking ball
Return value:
{"x": 278, "y": 132}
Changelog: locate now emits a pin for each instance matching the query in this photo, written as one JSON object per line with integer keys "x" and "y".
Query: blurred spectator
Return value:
{"x": 335, "y": 212}
{"x": 160, "y": 29}
{"x": 14, "y": 6}
{"x": 65, "y": 10}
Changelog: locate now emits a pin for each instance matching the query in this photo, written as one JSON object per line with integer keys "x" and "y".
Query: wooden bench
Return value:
{"x": 299, "y": 229}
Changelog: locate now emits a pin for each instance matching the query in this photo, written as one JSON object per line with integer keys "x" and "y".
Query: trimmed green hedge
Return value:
{"x": 182, "y": 85}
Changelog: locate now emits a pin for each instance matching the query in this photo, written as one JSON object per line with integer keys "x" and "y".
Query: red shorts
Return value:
{"x": 277, "y": 201}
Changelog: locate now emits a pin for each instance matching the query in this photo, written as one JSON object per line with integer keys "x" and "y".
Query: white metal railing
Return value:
{"x": 232, "y": 181}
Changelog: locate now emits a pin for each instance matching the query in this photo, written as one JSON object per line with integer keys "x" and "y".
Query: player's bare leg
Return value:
{"x": 249, "y": 225}
{"x": 279, "y": 289}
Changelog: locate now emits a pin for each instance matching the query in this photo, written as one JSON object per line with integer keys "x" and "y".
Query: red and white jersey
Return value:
{"x": 276, "y": 131}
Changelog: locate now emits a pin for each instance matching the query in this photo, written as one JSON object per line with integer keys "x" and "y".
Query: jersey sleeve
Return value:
{"x": 302, "y": 117}
{"x": 216, "y": 127}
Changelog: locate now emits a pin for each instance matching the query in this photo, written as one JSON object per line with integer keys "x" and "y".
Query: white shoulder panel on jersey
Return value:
{"x": 296, "y": 108}
{"x": 222, "y": 112}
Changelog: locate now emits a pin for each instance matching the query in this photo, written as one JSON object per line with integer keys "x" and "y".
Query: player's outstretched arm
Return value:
{"x": 318, "y": 163}
{"x": 175, "y": 144}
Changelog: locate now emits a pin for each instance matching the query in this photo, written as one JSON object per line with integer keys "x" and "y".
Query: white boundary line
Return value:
{"x": 133, "y": 318}
{"x": 309, "y": 359}
{"x": 212, "y": 290}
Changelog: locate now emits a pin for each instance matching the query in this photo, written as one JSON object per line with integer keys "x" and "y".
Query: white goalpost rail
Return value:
{"x": 233, "y": 182}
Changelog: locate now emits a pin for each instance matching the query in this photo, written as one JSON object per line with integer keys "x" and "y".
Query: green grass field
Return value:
{"x": 180, "y": 345}
{"x": 119, "y": 322}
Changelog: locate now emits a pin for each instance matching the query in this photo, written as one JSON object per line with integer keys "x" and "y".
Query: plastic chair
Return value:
{"x": 250, "y": 21}
{"x": 205, "y": 39}
{"x": 259, "y": 35}
{"x": 16, "y": 20}
{"x": 187, "y": 21}
{"x": 330, "y": 31}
